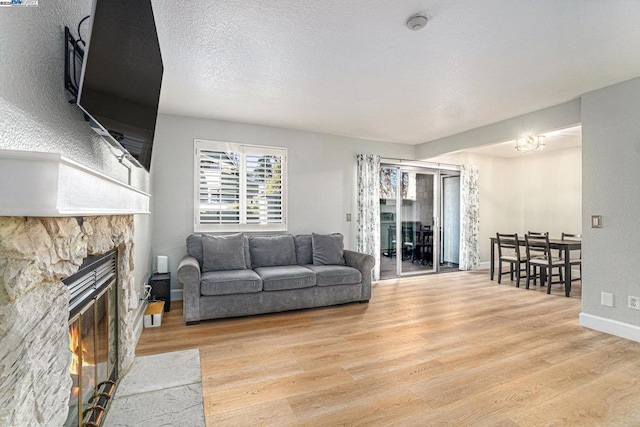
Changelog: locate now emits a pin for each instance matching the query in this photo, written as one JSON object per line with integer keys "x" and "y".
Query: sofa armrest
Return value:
{"x": 189, "y": 275}
{"x": 364, "y": 263}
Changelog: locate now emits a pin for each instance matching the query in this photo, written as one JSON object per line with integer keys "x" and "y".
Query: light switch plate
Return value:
{"x": 348, "y": 217}
{"x": 596, "y": 221}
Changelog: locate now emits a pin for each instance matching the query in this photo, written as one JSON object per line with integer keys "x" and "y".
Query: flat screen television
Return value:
{"x": 122, "y": 75}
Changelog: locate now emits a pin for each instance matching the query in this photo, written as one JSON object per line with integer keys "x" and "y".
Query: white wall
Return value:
{"x": 321, "y": 178}
{"x": 546, "y": 190}
{"x": 611, "y": 171}
{"x": 35, "y": 114}
{"x": 534, "y": 192}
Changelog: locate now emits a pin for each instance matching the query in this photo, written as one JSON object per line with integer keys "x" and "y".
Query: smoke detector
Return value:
{"x": 416, "y": 22}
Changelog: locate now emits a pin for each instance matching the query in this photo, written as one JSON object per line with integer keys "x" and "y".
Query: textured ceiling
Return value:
{"x": 353, "y": 68}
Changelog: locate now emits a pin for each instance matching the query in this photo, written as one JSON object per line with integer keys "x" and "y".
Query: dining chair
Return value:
{"x": 573, "y": 261}
{"x": 509, "y": 251}
{"x": 418, "y": 246}
{"x": 428, "y": 245}
{"x": 391, "y": 241}
{"x": 539, "y": 272}
{"x": 539, "y": 255}
{"x": 408, "y": 241}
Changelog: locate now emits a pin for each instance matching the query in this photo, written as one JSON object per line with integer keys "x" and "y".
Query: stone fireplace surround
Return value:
{"x": 36, "y": 253}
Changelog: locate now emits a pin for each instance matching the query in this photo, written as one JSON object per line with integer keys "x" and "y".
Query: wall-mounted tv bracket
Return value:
{"x": 73, "y": 55}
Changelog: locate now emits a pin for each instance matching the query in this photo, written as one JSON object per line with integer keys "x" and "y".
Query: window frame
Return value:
{"x": 243, "y": 150}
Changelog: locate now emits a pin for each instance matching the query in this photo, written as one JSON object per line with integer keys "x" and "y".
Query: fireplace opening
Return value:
{"x": 93, "y": 338}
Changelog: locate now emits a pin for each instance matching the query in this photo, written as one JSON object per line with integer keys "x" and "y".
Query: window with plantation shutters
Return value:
{"x": 239, "y": 187}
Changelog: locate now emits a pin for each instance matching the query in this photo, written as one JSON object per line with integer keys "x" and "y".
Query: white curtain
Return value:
{"x": 469, "y": 218}
{"x": 368, "y": 238}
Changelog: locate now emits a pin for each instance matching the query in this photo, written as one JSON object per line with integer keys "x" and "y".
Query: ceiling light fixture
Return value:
{"x": 530, "y": 143}
{"x": 416, "y": 22}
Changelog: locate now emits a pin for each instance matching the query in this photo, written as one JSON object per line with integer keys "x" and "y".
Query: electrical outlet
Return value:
{"x": 634, "y": 302}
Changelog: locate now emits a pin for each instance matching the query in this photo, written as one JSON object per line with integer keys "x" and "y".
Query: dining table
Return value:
{"x": 564, "y": 246}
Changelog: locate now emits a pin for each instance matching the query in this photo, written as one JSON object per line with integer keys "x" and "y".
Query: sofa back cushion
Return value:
{"x": 328, "y": 249}
{"x": 304, "y": 249}
{"x": 273, "y": 250}
{"x": 223, "y": 252}
{"x": 194, "y": 249}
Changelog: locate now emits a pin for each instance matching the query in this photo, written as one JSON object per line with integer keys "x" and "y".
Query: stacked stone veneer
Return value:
{"x": 35, "y": 255}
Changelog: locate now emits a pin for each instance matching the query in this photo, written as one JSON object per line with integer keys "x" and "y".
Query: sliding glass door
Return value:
{"x": 450, "y": 215}
{"x": 411, "y": 235}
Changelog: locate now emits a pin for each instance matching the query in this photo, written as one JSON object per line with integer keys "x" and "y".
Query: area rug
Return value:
{"x": 162, "y": 389}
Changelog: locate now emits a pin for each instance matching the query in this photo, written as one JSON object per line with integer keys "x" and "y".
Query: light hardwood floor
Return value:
{"x": 452, "y": 349}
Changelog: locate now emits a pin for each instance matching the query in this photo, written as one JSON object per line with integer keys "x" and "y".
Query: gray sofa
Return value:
{"x": 240, "y": 275}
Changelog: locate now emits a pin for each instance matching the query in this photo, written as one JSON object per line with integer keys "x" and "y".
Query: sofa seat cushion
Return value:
{"x": 330, "y": 275}
{"x": 285, "y": 277}
{"x": 227, "y": 282}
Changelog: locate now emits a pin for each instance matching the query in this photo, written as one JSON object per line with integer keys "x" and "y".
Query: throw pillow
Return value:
{"x": 328, "y": 249}
{"x": 223, "y": 252}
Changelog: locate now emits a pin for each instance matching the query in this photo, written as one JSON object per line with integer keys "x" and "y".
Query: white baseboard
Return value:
{"x": 609, "y": 326}
{"x": 137, "y": 329}
{"x": 176, "y": 294}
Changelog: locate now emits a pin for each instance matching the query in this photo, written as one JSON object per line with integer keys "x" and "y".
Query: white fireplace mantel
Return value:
{"x": 49, "y": 184}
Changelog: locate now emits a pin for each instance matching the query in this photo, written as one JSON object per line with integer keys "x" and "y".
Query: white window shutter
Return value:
{"x": 240, "y": 187}
{"x": 264, "y": 189}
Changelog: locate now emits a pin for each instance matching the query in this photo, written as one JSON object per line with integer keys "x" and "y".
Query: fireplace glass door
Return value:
{"x": 93, "y": 344}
